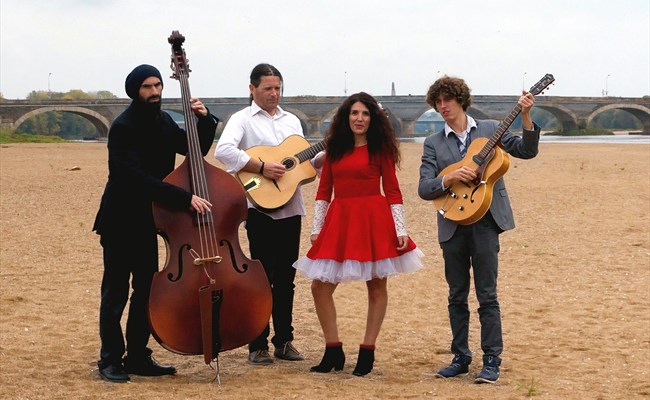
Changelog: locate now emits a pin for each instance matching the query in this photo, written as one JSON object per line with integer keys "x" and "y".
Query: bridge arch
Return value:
{"x": 100, "y": 122}
{"x": 477, "y": 112}
{"x": 305, "y": 121}
{"x": 404, "y": 119}
{"x": 638, "y": 111}
{"x": 567, "y": 119}
{"x": 326, "y": 120}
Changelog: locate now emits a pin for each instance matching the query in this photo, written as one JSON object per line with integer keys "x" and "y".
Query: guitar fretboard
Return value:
{"x": 501, "y": 129}
{"x": 310, "y": 152}
{"x": 505, "y": 124}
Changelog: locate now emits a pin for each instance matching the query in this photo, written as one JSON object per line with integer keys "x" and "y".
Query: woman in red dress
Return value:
{"x": 360, "y": 234}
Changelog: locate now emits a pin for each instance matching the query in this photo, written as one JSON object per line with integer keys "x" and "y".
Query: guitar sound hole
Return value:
{"x": 288, "y": 163}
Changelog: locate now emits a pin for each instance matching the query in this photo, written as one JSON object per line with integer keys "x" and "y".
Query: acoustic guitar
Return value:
{"x": 294, "y": 153}
{"x": 467, "y": 202}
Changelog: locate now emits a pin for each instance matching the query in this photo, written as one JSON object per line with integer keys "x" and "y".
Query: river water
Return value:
{"x": 611, "y": 139}
{"x": 606, "y": 139}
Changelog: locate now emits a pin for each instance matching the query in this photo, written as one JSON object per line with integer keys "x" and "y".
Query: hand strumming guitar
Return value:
{"x": 273, "y": 170}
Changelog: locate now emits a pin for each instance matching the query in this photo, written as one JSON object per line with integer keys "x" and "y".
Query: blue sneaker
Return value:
{"x": 459, "y": 367}
{"x": 490, "y": 371}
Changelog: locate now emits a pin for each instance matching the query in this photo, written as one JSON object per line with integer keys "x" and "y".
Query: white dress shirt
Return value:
{"x": 253, "y": 126}
{"x": 462, "y": 136}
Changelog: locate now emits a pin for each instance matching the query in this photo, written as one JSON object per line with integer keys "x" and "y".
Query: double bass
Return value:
{"x": 209, "y": 297}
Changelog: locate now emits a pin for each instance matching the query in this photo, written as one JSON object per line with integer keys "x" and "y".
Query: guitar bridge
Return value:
{"x": 253, "y": 183}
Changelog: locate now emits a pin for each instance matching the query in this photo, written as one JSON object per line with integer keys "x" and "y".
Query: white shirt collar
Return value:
{"x": 471, "y": 123}
{"x": 257, "y": 109}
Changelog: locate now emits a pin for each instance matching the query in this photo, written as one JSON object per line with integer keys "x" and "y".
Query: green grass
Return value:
{"x": 531, "y": 388}
{"x": 13, "y": 137}
{"x": 583, "y": 132}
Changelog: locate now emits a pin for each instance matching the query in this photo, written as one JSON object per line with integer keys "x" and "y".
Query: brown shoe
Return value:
{"x": 288, "y": 352}
{"x": 260, "y": 357}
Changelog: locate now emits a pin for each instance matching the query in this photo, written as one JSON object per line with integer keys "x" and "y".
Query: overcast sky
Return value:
{"x": 324, "y": 47}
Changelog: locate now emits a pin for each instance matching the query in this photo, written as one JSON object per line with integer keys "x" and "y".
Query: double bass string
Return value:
{"x": 207, "y": 233}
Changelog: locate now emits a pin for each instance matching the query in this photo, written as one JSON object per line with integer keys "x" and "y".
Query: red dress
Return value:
{"x": 358, "y": 239}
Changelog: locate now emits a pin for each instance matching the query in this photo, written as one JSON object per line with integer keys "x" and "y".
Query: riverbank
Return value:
{"x": 574, "y": 278}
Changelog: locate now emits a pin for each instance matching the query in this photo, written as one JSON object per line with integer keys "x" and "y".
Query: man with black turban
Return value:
{"x": 142, "y": 146}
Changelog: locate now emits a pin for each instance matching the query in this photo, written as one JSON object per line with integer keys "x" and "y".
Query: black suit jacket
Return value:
{"x": 142, "y": 148}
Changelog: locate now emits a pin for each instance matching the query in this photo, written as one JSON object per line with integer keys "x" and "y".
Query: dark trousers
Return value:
{"x": 125, "y": 256}
{"x": 475, "y": 245}
{"x": 276, "y": 243}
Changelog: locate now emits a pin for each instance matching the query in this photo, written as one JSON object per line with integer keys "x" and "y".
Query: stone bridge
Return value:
{"x": 315, "y": 112}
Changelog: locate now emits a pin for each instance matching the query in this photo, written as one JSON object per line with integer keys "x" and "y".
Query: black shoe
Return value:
{"x": 147, "y": 366}
{"x": 114, "y": 373}
{"x": 459, "y": 366}
{"x": 333, "y": 358}
{"x": 490, "y": 371}
{"x": 365, "y": 361}
{"x": 260, "y": 357}
{"x": 288, "y": 352}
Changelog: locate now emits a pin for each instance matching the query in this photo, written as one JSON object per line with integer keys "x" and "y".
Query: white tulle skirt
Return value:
{"x": 333, "y": 271}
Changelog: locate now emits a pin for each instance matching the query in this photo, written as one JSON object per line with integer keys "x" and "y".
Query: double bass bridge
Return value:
{"x": 198, "y": 260}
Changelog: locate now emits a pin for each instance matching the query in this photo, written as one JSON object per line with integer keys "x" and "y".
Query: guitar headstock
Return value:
{"x": 542, "y": 84}
{"x": 179, "y": 63}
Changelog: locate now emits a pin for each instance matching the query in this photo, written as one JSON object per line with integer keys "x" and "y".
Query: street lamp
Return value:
{"x": 606, "y": 81}
{"x": 49, "y": 92}
{"x": 345, "y": 83}
{"x": 523, "y": 81}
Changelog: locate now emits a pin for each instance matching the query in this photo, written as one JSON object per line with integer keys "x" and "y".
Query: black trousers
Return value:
{"x": 276, "y": 243}
{"x": 126, "y": 256}
{"x": 475, "y": 246}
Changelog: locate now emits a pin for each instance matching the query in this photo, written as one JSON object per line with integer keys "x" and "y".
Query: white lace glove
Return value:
{"x": 320, "y": 210}
{"x": 398, "y": 218}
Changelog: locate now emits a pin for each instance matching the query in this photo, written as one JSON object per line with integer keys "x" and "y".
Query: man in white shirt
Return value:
{"x": 274, "y": 236}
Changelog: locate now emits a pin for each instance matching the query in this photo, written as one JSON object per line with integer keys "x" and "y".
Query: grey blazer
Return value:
{"x": 441, "y": 151}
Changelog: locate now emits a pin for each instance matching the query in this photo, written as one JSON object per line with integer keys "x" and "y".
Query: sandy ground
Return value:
{"x": 574, "y": 290}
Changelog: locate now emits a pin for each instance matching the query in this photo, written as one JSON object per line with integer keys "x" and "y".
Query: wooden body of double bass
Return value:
{"x": 246, "y": 302}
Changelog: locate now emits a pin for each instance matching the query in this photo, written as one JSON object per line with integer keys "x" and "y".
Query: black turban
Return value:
{"x": 137, "y": 76}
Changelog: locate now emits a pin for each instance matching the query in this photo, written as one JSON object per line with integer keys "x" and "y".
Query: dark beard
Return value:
{"x": 146, "y": 109}
{"x": 152, "y": 107}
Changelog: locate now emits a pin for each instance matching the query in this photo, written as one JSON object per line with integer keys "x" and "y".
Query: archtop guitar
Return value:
{"x": 467, "y": 202}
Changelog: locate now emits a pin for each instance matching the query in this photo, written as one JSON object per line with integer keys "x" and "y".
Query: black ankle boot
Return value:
{"x": 365, "y": 361}
{"x": 333, "y": 358}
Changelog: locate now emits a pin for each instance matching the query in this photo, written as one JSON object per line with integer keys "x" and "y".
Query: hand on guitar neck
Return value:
{"x": 526, "y": 102}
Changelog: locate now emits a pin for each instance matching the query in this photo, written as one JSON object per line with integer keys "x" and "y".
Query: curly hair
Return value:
{"x": 450, "y": 88}
{"x": 339, "y": 139}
